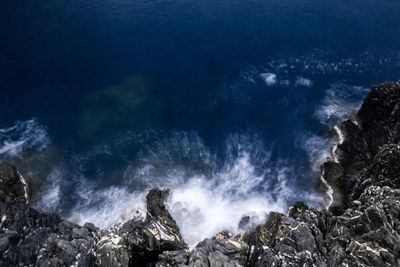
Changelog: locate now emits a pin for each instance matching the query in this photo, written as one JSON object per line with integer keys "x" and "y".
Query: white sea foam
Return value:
{"x": 108, "y": 206}
{"x": 50, "y": 197}
{"x": 339, "y": 134}
{"x": 269, "y": 78}
{"x": 201, "y": 211}
{"x": 301, "y": 81}
{"x": 219, "y": 203}
{"x": 341, "y": 102}
{"x": 318, "y": 150}
{"x": 207, "y": 197}
{"x": 23, "y": 135}
{"x": 301, "y": 71}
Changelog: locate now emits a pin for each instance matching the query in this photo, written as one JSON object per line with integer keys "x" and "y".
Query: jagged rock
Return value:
{"x": 155, "y": 203}
{"x": 336, "y": 210}
{"x": 379, "y": 115}
{"x": 66, "y": 227}
{"x": 223, "y": 235}
{"x": 147, "y": 238}
{"x": 13, "y": 188}
{"x": 385, "y": 168}
{"x": 229, "y": 253}
{"x": 265, "y": 235}
{"x": 173, "y": 258}
{"x": 160, "y": 223}
{"x": 353, "y": 156}
{"x": 58, "y": 251}
{"x": 90, "y": 226}
{"x": 332, "y": 171}
{"x": 111, "y": 251}
{"x": 297, "y": 209}
{"x": 80, "y": 233}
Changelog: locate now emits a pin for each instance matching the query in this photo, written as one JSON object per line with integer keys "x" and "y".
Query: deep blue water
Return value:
{"x": 227, "y": 100}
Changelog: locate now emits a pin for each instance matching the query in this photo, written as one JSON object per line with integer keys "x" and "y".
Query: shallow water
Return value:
{"x": 228, "y": 102}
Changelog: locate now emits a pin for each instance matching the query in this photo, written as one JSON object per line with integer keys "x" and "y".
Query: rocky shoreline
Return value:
{"x": 360, "y": 228}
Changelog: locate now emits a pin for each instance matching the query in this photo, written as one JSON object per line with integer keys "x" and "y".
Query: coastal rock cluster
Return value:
{"x": 360, "y": 228}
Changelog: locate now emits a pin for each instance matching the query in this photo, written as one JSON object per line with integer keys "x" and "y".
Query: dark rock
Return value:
{"x": 80, "y": 233}
{"x": 385, "y": 168}
{"x": 13, "y": 188}
{"x": 66, "y": 227}
{"x": 160, "y": 222}
{"x": 265, "y": 235}
{"x": 297, "y": 209}
{"x": 220, "y": 251}
{"x": 90, "y": 226}
{"x": 26, "y": 252}
{"x": 155, "y": 203}
{"x": 332, "y": 171}
{"x": 379, "y": 115}
{"x": 4, "y": 242}
{"x": 353, "y": 153}
{"x": 111, "y": 251}
{"x": 57, "y": 252}
{"x": 173, "y": 258}
{"x": 336, "y": 210}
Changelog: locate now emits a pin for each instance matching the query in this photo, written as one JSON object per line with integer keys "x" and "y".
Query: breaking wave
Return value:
{"x": 208, "y": 196}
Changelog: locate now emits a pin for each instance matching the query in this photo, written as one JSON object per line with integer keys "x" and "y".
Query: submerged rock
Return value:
{"x": 362, "y": 228}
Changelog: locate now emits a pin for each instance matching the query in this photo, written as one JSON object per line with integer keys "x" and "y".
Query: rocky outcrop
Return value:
{"x": 31, "y": 238}
{"x": 13, "y": 188}
{"x": 360, "y": 228}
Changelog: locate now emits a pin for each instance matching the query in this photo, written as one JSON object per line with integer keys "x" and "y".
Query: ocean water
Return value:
{"x": 229, "y": 103}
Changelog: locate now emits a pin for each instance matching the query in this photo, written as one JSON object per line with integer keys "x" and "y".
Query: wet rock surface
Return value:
{"x": 362, "y": 229}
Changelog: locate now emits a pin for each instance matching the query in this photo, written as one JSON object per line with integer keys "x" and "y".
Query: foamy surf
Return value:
{"x": 219, "y": 203}
{"x": 203, "y": 201}
{"x": 22, "y": 136}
